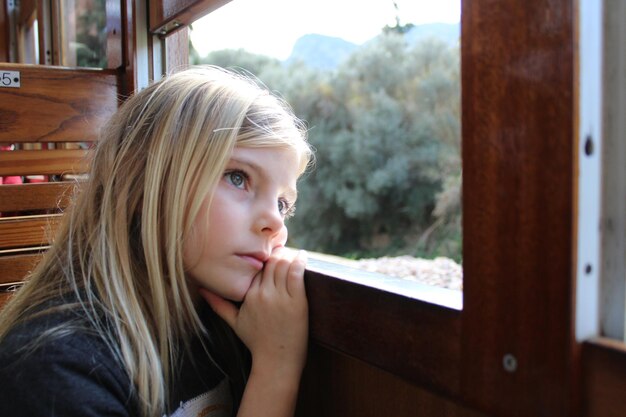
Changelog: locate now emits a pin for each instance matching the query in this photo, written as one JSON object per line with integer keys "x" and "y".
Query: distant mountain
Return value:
{"x": 327, "y": 52}
{"x": 447, "y": 32}
{"x": 321, "y": 51}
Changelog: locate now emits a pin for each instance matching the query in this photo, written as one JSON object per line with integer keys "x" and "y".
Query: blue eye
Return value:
{"x": 237, "y": 178}
{"x": 285, "y": 208}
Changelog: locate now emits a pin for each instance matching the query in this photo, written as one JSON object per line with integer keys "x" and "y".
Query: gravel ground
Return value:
{"x": 441, "y": 272}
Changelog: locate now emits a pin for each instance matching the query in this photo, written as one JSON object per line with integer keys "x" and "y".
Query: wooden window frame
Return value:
{"x": 511, "y": 349}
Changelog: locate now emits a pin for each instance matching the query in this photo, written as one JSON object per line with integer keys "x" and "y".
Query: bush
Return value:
{"x": 385, "y": 125}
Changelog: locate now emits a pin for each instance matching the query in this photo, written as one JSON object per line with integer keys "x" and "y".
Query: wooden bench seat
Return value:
{"x": 49, "y": 124}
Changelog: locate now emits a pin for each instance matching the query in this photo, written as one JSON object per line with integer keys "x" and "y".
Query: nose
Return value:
{"x": 269, "y": 221}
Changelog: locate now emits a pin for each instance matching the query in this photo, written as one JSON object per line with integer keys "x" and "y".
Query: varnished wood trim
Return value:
{"x": 16, "y": 232}
{"x": 518, "y": 147}
{"x": 16, "y": 267}
{"x": 56, "y": 104}
{"x": 44, "y": 162}
{"x": 4, "y": 298}
{"x": 177, "y": 51}
{"x": 4, "y": 33}
{"x": 335, "y": 385}
{"x": 604, "y": 375}
{"x": 49, "y": 195}
{"x": 26, "y": 10}
{"x": 167, "y": 16}
{"x": 414, "y": 339}
{"x": 129, "y": 53}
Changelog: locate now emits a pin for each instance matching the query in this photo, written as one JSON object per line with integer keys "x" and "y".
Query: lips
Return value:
{"x": 256, "y": 260}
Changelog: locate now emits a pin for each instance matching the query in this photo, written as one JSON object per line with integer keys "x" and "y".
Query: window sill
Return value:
{"x": 421, "y": 292}
{"x": 411, "y": 330}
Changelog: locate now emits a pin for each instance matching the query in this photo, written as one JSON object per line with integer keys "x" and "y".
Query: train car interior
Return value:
{"x": 538, "y": 328}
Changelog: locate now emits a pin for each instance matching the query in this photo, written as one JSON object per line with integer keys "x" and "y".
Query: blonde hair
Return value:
{"x": 119, "y": 249}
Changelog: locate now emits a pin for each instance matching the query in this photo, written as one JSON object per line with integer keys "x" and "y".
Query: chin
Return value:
{"x": 237, "y": 296}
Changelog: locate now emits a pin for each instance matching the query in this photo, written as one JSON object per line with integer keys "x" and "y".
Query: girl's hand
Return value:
{"x": 273, "y": 319}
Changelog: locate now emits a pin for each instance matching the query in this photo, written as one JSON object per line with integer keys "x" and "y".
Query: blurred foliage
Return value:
{"x": 386, "y": 128}
{"x": 91, "y": 34}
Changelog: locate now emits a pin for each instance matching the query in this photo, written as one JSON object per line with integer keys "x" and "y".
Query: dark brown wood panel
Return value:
{"x": 35, "y": 196}
{"x": 335, "y": 385}
{"x": 45, "y": 162}
{"x": 169, "y": 15}
{"x": 16, "y": 267}
{"x": 604, "y": 374}
{"x": 19, "y": 232}
{"x": 415, "y": 340}
{"x": 56, "y": 104}
{"x": 128, "y": 79}
{"x": 4, "y": 33}
{"x": 26, "y": 10}
{"x": 177, "y": 56}
{"x": 518, "y": 147}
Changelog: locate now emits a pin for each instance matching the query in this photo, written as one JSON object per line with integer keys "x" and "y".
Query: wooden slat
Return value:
{"x": 19, "y": 232}
{"x": 4, "y": 298}
{"x": 16, "y": 267}
{"x": 169, "y": 15}
{"x": 22, "y": 197}
{"x": 45, "y": 162}
{"x": 56, "y": 104}
{"x": 518, "y": 147}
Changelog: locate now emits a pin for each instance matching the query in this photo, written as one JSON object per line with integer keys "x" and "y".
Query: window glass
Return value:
{"x": 83, "y": 33}
{"x": 378, "y": 85}
{"x": 28, "y": 36}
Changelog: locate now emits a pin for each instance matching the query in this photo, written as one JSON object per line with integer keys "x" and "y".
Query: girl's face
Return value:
{"x": 246, "y": 220}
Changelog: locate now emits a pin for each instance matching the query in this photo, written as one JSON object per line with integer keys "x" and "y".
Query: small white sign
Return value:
{"x": 10, "y": 79}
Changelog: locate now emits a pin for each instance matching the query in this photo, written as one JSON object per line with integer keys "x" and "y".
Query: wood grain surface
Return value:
{"x": 56, "y": 104}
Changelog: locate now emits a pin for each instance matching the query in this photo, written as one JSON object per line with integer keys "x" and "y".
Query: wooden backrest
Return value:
{"x": 50, "y": 122}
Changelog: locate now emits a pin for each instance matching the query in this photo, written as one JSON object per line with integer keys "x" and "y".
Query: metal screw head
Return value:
{"x": 509, "y": 362}
{"x": 589, "y": 145}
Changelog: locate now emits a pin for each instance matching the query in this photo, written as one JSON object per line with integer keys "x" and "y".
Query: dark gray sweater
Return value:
{"x": 77, "y": 375}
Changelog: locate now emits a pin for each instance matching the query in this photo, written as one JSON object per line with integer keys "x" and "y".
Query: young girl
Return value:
{"x": 171, "y": 256}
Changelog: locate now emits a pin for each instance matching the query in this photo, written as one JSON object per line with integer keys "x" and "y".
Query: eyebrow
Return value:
{"x": 290, "y": 192}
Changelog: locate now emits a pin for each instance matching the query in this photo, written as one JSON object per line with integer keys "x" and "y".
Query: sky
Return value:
{"x": 271, "y": 27}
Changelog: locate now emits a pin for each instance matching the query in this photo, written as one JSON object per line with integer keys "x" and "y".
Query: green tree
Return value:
{"x": 242, "y": 60}
{"x": 383, "y": 128}
{"x": 385, "y": 125}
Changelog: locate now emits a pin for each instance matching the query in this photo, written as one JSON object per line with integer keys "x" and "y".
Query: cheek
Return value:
{"x": 191, "y": 249}
{"x": 281, "y": 237}
{"x": 195, "y": 241}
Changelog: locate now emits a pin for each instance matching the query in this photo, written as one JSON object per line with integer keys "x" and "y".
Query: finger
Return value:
{"x": 295, "y": 276}
{"x": 223, "y": 308}
{"x": 256, "y": 281}
{"x": 268, "y": 273}
{"x": 280, "y": 262}
{"x": 270, "y": 265}
{"x": 280, "y": 273}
